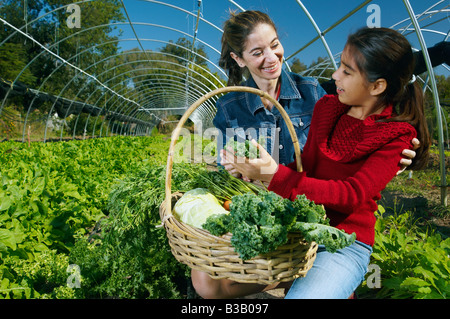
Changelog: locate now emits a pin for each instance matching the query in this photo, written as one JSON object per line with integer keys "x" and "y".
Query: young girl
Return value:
{"x": 353, "y": 150}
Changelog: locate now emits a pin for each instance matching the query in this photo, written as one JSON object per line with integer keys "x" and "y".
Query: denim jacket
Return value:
{"x": 242, "y": 115}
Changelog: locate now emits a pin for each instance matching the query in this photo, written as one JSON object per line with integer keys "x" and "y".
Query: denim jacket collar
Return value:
{"x": 288, "y": 91}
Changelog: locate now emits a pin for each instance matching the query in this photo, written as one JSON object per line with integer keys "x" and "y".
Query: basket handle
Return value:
{"x": 195, "y": 105}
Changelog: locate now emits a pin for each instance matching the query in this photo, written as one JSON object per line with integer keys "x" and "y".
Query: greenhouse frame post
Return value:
{"x": 414, "y": 21}
{"x": 320, "y": 34}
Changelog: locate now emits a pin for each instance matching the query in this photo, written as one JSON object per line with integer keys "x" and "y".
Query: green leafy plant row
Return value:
{"x": 80, "y": 219}
{"x": 413, "y": 262}
{"x": 53, "y": 193}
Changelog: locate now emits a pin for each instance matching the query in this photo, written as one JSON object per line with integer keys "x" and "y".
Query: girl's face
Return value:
{"x": 262, "y": 54}
{"x": 351, "y": 85}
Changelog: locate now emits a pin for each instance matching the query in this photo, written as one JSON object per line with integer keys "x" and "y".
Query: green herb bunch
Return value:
{"x": 245, "y": 148}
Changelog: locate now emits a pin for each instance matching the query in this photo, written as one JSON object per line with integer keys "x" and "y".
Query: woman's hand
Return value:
{"x": 231, "y": 170}
{"x": 409, "y": 155}
{"x": 262, "y": 168}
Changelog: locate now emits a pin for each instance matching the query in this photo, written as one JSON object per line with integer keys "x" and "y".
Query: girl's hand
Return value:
{"x": 262, "y": 168}
{"x": 409, "y": 155}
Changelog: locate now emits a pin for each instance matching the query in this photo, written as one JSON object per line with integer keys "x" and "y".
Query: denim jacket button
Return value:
{"x": 281, "y": 147}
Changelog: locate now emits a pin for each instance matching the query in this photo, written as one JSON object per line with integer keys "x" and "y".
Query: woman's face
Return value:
{"x": 262, "y": 54}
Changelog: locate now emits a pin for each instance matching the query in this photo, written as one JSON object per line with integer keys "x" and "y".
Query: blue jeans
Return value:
{"x": 333, "y": 275}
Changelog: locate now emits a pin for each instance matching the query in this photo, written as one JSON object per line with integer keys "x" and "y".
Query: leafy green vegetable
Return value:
{"x": 414, "y": 259}
{"x": 246, "y": 148}
{"x": 260, "y": 223}
{"x": 52, "y": 195}
{"x": 196, "y": 205}
{"x": 309, "y": 212}
{"x": 219, "y": 182}
{"x": 331, "y": 237}
{"x": 218, "y": 224}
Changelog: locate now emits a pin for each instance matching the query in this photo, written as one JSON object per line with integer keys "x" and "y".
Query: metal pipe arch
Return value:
{"x": 435, "y": 98}
{"x": 131, "y": 52}
{"x": 113, "y": 104}
{"x": 141, "y": 69}
{"x": 88, "y": 49}
{"x": 76, "y": 33}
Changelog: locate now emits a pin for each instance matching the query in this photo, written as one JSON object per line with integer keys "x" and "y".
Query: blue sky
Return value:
{"x": 294, "y": 28}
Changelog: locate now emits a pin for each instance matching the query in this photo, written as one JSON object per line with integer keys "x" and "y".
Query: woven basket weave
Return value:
{"x": 214, "y": 255}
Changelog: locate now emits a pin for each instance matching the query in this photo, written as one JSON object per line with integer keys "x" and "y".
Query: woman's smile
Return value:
{"x": 272, "y": 69}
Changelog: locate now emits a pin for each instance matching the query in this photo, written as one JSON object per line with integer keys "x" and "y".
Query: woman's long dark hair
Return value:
{"x": 387, "y": 54}
{"x": 235, "y": 32}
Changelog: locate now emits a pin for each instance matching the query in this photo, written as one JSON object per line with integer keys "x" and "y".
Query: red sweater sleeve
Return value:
{"x": 344, "y": 195}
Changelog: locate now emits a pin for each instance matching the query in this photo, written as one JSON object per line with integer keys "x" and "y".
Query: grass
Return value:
{"x": 412, "y": 238}
{"x": 420, "y": 194}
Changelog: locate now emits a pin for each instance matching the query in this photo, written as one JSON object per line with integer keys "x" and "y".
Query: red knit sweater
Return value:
{"x": 346, "y": 163}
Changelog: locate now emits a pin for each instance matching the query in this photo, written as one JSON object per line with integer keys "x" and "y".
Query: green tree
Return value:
{"x": 297, "y": 66}
{"x": 12, "y": 62}
{"x": 82, "y": 47}
{"x": 185, "y": 53}
{"x": 88, "y": 47}
{"x": 443, "y": 86}
{"x": 24, "y": 49}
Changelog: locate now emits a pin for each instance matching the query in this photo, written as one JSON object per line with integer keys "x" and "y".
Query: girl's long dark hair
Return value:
{"x": 387, "y": 54}
{"x": 235, "y": 32}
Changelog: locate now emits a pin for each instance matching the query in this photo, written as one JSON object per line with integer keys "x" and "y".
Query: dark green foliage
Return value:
{"x": 218, "y": 224}
{"x": 309, "y": 212}
{"x": 51, "y": 196}
{"x": 413, "y": 260}
{"x": 331, "y": 237}
{"x": 245, "y": 148}
{"x": 133, "y": 259}
{"x": 218, "y": 182}
{"x": 260, "y": 223}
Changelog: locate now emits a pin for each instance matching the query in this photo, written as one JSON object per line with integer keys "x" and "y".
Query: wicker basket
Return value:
{"x": 214, "y": 255}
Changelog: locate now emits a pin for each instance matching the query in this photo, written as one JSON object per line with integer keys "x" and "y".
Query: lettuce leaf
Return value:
{"x": 196, "y": 205}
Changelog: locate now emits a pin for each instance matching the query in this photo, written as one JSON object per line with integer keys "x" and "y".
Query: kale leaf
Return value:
{"x": 331, "y": 237}
{"x": 309, "y": 212}
{"x": 217, "y": 224}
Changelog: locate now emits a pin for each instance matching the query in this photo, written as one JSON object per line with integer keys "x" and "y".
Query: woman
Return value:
{"x": 353, "y": 151}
